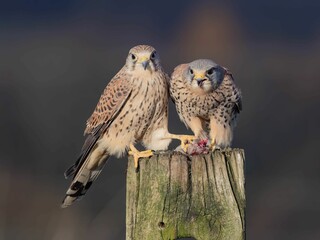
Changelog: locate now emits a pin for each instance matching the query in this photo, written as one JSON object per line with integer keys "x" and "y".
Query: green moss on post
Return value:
{"x": 173, "y": 196}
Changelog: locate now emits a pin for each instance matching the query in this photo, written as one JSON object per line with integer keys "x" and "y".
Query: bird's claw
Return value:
{"x": 139, "y": 154}
{"x": 214, "y": 147}
{"x": 185, "y": 141}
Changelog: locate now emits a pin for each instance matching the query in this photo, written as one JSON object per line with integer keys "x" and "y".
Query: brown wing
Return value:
{"x": 238, "y": 105}
{"x": 179, "y": 70}
{"x": 176, "y": 81}
{"x": 236, "y": 93}
{"x": 110, "y": 104}
{"x": 111, "y": 101}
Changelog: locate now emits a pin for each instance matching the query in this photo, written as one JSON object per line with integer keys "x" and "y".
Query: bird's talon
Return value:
{"x": 139, "y": 154}
{"x": 136, "y": 162}
{"x": 185, "y": 141}
{"x": 214, "y": 147}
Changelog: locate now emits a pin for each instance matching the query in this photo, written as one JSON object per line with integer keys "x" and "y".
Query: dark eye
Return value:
{"x": 153, "y": 55}
{"x": 133, "y": 57}
{"x": 191, "y": 71}
{"x": 210, "y": 71}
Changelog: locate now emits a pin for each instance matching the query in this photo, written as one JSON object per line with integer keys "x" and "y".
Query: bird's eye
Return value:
{"x": 210, "y": 71}
{"x": 133, "y": 57}
{"x": 153, "y": 55}
{"x": 191, "y": 71}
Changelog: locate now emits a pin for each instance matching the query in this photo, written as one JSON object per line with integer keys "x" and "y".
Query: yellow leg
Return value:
{"x": 138, "y": 154}
{"x": 185, "y": 139}
{"x": 213, "y": 145}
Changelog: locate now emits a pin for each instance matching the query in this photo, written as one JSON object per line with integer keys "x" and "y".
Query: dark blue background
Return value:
{"x": 56, "y": 57}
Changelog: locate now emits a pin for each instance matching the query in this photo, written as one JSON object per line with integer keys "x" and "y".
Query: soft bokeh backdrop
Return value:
{"x": 57, "y": 56}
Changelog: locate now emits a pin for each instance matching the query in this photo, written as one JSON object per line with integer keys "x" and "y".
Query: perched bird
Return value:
{"x": 133, "y": 108}
{"x": 206, "y": 98}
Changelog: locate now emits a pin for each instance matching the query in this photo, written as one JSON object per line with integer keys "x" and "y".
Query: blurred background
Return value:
{"x": 56, "y": 57}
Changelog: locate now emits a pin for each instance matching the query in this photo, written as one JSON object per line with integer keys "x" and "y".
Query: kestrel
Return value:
{"x": 206, "y": 97}
{"x": 133, "y": 108}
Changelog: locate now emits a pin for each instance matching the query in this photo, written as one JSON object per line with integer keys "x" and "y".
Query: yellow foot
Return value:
{"x": 185, "y": 141}
{"x": 213, "y": 146}
{"x": 138, "y": 154}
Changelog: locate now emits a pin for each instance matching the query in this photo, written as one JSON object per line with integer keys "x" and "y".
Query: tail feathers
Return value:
{"x": 70, "y": 171}
{"x": 81, "y": 183}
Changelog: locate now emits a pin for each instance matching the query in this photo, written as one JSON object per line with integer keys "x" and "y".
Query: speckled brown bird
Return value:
{"x": 133, "y": 108}
{"x": 206, "y": 98}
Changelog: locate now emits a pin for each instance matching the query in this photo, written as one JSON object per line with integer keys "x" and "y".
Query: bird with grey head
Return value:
{"x": 204, "y": 75}
{"x": 206, "y": 99}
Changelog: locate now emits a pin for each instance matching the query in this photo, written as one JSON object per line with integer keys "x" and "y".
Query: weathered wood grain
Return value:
{"x": 173, "y": 196}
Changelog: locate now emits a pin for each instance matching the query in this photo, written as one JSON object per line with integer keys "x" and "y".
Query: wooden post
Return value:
{"x": 173, "y": 196}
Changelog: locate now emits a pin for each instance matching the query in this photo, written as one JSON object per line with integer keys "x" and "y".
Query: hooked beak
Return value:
{"x": 144, "y": 60}
{"x": 200, "y": 81}
{"x": 145, "y": 64}
{"x": 200, "y": 78}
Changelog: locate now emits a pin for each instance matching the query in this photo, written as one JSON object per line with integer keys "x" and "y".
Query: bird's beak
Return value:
{"x": 200, "y": 82}
{"x": 200, "y": 78}
{"x": 144, "y": 62}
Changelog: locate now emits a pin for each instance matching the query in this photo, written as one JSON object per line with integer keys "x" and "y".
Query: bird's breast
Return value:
{"x": 145, "y": 103}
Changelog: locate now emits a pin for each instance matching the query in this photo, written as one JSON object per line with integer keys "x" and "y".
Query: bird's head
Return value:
{"x": 143, "y": 58}
{"x": 204, "y": 75}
